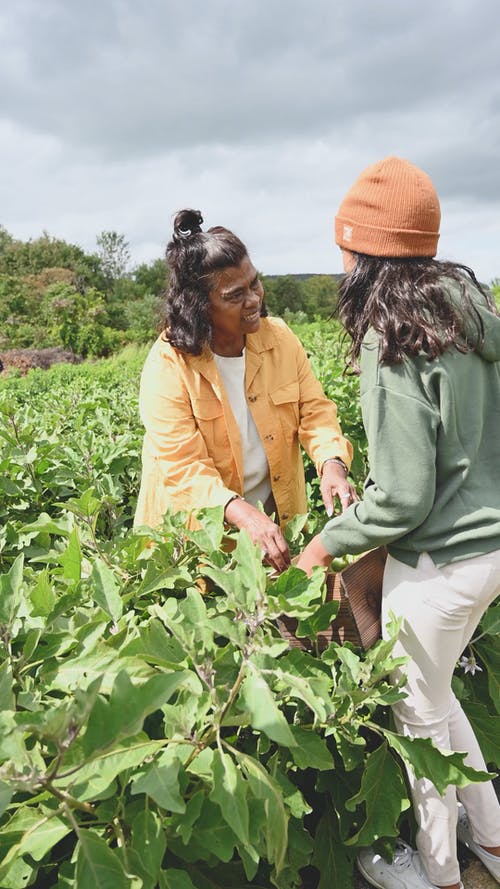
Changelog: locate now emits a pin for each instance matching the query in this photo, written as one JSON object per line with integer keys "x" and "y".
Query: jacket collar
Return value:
{"x": 256, "y": 343}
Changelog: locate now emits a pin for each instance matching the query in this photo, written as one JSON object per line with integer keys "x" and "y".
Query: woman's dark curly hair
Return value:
{"x": 409, "y": 303}
{"x": 193, "y": 256}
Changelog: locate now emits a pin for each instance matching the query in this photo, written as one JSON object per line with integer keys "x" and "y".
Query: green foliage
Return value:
{"x": 495, "y": 289}
{"x": 114, "y": 254}
{"x": 54, "y": 294}
{"x": 301, "y": 298}
{"x": 155, "y": 730}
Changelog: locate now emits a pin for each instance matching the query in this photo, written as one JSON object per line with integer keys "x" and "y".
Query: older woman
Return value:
{"x": 226, "y": 396}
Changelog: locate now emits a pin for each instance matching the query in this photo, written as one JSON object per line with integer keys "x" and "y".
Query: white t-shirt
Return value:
{"x": 256, "y": 479}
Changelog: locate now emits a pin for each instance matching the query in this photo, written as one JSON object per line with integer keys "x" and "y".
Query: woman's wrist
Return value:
{"x": 336, "y": 460}
{"x": 235, "y": 509}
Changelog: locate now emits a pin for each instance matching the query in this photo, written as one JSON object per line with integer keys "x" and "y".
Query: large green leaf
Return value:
{"x": 173, "y": 878}
{"x": 7, "y": 697}
{"x": 92, "y": 778}
{"x": 19, "y": 875}
{"x": 213, "y": 835}
{"x": 319, "y": 621}
{"x": 490, "y": 623}
{"x": 383, "y": 795}
{"x": 264, "y": 712}
{"x": 71, "y": 558}
{"x": 42, "y": 595}
{"x": 229, "y": 792}
{"x": 11, "y": 591}
{"x": 184, "y": 824}
{"x": 250, "y": 574}
{"x": 310, "y": 751}
{"x": 30, "y": 831}
{"x": 487, "y": 730}
{"x": 128, "y": 706}
{"x": 98, "y": 867}
{"x": 265, "y": 788}
{"x": 12, "y": 745}
{"x": 209, "y": 536}
{"x": 296, "y": 594}
{"x": 48, "y": 525}
{"x": 306, "y": 690}
{"x": 156, "y": 646}
{"x": 489, "y": 652}
{"x": 161, "y": 783}
{"x": 245, "y": 583}
{"x": 105, "y": 590}
{"x": 330, "y": 855}
{"x": 427, "y": 761}
{"x": 149, "y": 841}
{"x": 6, "y": 794}
{"x": 166, "y": 579}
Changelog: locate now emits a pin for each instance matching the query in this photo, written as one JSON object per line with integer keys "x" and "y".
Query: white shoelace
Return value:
{"x": 403, "y": 856}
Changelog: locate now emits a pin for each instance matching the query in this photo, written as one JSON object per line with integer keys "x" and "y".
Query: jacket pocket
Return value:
{"x": 207, "y": 408}
{"x": 286, "y": 401}
{"x": 209, "y": 418}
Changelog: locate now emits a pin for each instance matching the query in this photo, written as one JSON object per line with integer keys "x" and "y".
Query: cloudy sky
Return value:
{"x": 261, "y": 113}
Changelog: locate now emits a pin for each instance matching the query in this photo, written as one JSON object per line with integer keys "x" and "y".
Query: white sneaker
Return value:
{"x": 491, "y": 862}
{"x": 404, "y": 872}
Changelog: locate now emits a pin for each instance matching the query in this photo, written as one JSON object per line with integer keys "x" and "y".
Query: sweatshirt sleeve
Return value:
{"x": 400, "y": 490}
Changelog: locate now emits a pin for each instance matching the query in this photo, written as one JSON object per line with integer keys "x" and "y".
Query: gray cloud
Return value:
{"x": 114, "y": 114}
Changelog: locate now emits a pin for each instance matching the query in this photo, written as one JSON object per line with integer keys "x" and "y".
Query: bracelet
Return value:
{"x": 234, "y": 497}
{"x": 335, "y": 460}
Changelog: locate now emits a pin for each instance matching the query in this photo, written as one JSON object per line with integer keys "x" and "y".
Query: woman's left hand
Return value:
{"x": 334, "y": 483}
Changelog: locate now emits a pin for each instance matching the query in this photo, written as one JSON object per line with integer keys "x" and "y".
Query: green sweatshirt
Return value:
{"x": 433, "y": 430}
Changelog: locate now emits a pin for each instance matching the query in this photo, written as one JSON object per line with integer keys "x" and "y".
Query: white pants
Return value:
{"x": 441, "y": 608}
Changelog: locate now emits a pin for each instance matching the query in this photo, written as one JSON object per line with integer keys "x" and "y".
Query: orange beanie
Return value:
{"x": 391, "y": 210}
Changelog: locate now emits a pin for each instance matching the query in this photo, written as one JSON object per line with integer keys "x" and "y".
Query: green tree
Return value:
{"x": 321, "y": 294}
{"x": 282, "y": 293}
{"x": 114, "y": 254}
{"x": 151, "y": 277}
{"x": 78, "y": 320}
{"x": 495, "y": 289}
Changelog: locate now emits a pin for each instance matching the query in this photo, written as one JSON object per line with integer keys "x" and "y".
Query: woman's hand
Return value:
{"x": 334, "y": 483}
{"x": 314, "y": 554}
{"x": 262, "y": 530}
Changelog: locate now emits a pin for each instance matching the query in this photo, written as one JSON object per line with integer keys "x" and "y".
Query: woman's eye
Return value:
{"x": 234, "y": 297}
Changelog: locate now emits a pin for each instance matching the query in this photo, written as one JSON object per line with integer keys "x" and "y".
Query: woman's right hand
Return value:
{"x": 262, "y": 530}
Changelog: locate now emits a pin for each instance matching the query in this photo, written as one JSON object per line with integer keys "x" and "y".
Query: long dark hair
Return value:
{"x": 410, "y": 304}
{"x": 192, "y": 257}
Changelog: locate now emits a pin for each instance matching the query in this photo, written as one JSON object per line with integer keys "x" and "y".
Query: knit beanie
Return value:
{"x": 391, "y": 210}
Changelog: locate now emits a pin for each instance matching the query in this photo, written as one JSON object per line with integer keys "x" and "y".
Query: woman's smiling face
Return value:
{"x": 235, "y": 303}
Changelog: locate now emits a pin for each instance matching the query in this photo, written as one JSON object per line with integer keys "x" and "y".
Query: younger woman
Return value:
{"x": 427, "y": 340}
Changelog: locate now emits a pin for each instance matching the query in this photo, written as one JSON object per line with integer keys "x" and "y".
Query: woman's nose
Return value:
{"x": 252, "y": 299}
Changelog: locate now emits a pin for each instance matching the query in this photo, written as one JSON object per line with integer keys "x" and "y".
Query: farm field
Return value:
{"x": 155, "y": 730}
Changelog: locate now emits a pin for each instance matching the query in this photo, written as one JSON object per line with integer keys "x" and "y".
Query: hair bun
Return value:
{"x": 187, "y": 223}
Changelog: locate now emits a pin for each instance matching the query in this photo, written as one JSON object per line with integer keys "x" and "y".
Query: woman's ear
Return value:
{"x": 348, "y": 259}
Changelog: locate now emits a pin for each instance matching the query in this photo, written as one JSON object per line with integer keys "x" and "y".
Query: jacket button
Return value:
{"x": 285, "y": 515}
{"x": 252, "y": 398}
{"x": 276, "y": 478}
{"x": 269, "y": 437}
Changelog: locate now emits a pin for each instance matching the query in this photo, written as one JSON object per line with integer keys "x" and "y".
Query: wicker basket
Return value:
{"x": 358, "y": 588}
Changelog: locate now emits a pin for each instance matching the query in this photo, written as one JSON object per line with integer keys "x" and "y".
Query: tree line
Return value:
{"x": 53, "y": 293}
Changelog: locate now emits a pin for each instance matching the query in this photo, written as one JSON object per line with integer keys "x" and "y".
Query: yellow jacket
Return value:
{"x": 192, "y": 453}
